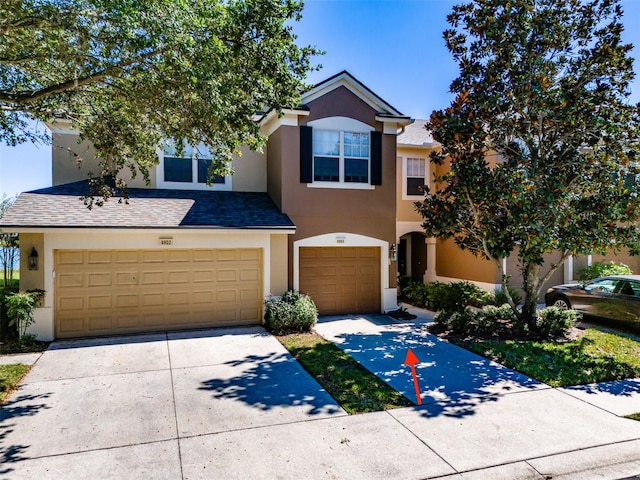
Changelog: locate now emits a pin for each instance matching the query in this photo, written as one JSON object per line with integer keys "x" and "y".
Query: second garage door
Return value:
{"x": 104, "y": 292}
{"x": 341, "y": 279}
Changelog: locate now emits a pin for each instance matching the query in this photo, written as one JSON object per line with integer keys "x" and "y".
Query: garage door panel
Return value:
{"x": 341, "y": 279}
{"x": 126, "y": 256}
{"x": 98, "y": 257}
{"x": 152, "y": 278}
{"x": 140, "y": 290}
{"x": 70, "y": 280}
{"x": 96, "y": 302}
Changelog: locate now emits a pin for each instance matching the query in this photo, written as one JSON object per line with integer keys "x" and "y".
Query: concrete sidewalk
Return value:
{"x": 486, "y": 421}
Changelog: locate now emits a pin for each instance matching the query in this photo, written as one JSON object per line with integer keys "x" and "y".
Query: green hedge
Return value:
{"x": 293, "y": 312}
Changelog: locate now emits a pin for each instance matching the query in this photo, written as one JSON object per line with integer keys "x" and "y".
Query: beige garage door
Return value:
{"x": 341, "y": 279}
{"x": 104, "y": 292}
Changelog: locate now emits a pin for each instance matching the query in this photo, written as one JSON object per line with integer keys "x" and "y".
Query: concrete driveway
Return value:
{"x": 232, "y": 403}
{"x": 150, "y": 406}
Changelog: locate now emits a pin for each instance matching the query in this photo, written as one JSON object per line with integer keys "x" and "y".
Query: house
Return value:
{"x": 430, "y": 259}
{"x": 315, "y": 211}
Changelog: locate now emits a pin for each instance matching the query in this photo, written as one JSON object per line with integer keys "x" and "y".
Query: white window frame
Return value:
{"x": 342, "y": 125}
{"x": 405, "y": 176}
{"x": 194, "y": 184}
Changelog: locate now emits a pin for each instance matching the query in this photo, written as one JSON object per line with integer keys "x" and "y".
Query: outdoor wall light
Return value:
{"x": 33, "y": 259}
{"x": 393, "y": 253}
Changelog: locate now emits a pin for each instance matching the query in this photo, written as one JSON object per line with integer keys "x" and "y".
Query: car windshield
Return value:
{"x": 606, "y": 285}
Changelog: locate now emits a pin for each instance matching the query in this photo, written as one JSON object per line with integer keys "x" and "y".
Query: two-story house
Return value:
{"x": 315, "y": 211}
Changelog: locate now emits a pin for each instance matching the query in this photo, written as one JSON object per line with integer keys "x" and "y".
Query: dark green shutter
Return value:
{"x": 306, "y": 154}
{"x": 376, "y": 158}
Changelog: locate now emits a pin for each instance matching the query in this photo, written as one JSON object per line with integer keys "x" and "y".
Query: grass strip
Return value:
{"x": 355, "y": 388}
{"x": 595, "y": 357}
{"x": 10, "y": 376}
{"x": 634, "y": 416}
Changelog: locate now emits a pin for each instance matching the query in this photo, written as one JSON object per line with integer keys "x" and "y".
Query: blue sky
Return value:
{"x": 394, "y": 47}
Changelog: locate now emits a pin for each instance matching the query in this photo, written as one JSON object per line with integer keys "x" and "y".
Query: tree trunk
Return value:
{"x": 531, "y": 286}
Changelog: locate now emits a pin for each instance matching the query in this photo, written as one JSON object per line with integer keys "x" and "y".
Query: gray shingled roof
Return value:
{"x": 415, "y": 134}
{"x": 60, "y": 206}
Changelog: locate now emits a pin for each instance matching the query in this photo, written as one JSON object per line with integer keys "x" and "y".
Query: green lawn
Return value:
{"x": 355, "y": 388}
{"x": 10, "y": 376}
{"x": 595, "y": 357}
{"x": 634, "y": 416}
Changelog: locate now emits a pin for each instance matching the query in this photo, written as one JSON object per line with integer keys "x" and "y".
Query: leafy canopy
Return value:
{"x": 540, "y": 146}
{"x": 130, "y": 73}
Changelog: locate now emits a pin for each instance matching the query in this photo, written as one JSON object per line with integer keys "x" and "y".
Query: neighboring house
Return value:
{"x": 430, "y": 259}
{"x": 315, "y": 211}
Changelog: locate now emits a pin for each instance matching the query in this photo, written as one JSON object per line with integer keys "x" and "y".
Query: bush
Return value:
{"x": 438, "y": 296}
{"x": 500, "y": 298}
{"x": 403, "y": 282}
{"x": 294, "y": 312}
{"x": 553, "y": 322}
{"x": 602, "y": 269}
{"x": 20, "y": 307}
{"x": 7, "y": 331}
{"x": 416, "y": 294}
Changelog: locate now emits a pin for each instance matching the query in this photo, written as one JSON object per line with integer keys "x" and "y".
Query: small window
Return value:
{"x": 188, "y": 167}
{"x": 416, "y": 168}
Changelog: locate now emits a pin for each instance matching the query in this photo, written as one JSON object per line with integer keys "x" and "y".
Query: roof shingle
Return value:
{"x": 60, "y": 206}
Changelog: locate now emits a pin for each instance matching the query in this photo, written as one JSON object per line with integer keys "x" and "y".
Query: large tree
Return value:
{"x": 130, "y": 73}
{"x": 540, "y": 146}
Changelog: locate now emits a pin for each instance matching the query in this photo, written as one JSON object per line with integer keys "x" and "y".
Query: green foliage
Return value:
{"x": 541, "y": 139}
{"x": 593, "y": 358}
{"x": 10, "y": 375}
{"x": 602, "y": 269}
{"x": 500, "y": 298}
{"x": 355, "y": 388}
{"x": 446, "y": 296}
{"x": 484, "y": 322}
{"x": 20, "y": 307}
{"x": 131, "y": 74}
{"x": 403, "y": 282}
{"x": 292, "y": 313}
{"x": 553, "y": 322}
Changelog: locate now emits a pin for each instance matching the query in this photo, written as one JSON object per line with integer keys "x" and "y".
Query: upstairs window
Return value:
{"x": 188, "y": 168}
{"x": 416, "y": 176}
{"x": 340, "y": 156}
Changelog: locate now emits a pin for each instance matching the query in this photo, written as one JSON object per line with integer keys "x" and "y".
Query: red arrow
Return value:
{"x": 411, "y": 360}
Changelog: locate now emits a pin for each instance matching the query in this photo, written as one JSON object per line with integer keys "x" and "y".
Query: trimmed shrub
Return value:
{"x": 416, "y": 294}
{"x": 403, "y": 282}
{"x": 20, "y": 307}
{"x": 500, "y": 298}
{"x": 294, "y": 312}
{"x": 553, "y": 322}
{"x": 602, "y": 269}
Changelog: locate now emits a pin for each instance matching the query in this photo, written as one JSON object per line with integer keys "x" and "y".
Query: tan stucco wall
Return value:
{"x": 279, "y": 270}
{"x": 31, "y": 279}
{"x": 516, "y": 281}
{"x": 73, "y": 161}
{"x": 633, "y": 262}
{"x": 452, "y": 262}
{"x": 405, "y": 209}
{"x": 250, "y": 171}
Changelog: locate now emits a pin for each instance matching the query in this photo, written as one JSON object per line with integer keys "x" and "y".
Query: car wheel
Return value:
{"x": 562, "y": 303}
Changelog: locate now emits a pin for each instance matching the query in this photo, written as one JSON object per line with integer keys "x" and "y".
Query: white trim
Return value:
{"x": 403, "y": 228}
{"x": 568, "y": 269}
{"x": 341, "y": 124}
{"x": 427, "y": 173}
{"x": 350, "y": 240}
{"x": 272, "y": 120}
{"x": 343, "y": 185}
{"x": 153, "y": 230}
